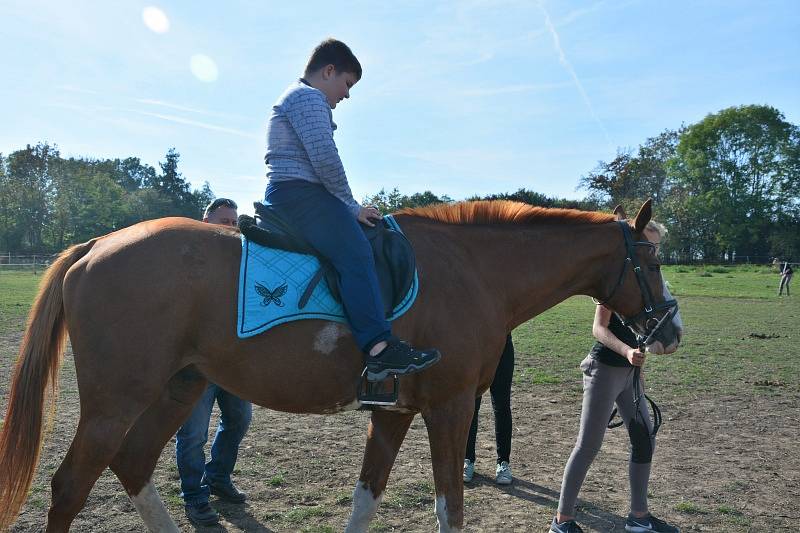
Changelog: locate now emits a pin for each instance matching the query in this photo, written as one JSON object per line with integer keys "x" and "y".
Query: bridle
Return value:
{"x": 652, "y": 324}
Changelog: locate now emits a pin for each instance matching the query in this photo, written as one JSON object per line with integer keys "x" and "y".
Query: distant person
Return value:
{"x": 786, "y": 278}
{"x": 501, "y": 403}
{"x": 198, "y": 478}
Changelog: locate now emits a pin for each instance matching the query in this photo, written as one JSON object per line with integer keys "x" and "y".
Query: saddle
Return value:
{"x": 394, "y": 256}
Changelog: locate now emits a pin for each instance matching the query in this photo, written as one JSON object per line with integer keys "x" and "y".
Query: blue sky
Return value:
{"x": 460, "y": 98}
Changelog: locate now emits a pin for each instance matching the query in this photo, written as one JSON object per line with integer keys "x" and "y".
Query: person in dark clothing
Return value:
{"x": 501, "y": 403}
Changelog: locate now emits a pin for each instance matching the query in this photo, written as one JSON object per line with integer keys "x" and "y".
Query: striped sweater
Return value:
{"x": 300, "y": 143}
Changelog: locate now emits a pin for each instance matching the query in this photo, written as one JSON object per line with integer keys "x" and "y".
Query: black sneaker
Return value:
{"x": 201, "y": 514}
{"x": 399, "y": 358}
{"x": 570, "y": 526}
{"x": 648, "y": 524}
{"x": 228, "y": 492}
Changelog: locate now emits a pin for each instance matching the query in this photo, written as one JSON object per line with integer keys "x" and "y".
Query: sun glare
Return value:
{"x": 155, "y": 19}
{"x": 204, "y": 68}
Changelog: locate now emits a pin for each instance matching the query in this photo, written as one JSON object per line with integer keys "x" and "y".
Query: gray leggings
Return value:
{"x": 604, "y": 385}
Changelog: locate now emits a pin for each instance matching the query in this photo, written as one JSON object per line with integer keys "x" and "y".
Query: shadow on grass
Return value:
{"x": 589, "y": 514}
{"x": 237, "y": 515}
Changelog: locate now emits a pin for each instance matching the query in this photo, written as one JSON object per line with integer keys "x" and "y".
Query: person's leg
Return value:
{"x": 501, "y": 402}
{"x": 781, "y": 285}
{"x": 331, "y": 229}
{"x": 640, "y": 429}
{"x": 189, "y": 442}
{"x": 601, "y": 386}
{"x": 235, "y": 415}
{"x": 473, "y": 432}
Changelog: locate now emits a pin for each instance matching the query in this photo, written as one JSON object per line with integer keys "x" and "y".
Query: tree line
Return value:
{"x": 727, "y": 187}
{"x": 49, "y": 202}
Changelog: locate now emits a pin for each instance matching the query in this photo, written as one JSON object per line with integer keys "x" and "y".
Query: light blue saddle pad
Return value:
{"x": 272, "y": 281}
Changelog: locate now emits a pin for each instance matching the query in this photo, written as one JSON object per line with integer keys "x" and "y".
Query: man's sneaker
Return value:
{"x": 648, "y": 524}
{"x": 469, "y": 470}
{"x": 399, "y": 358}
{"x": 503, "y": 474}
{"x": 570, "y": 526}
{"x": 227, "y": 492}
{"x": 201, "y": 514}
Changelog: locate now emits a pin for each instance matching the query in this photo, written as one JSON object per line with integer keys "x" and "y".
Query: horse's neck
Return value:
{"x": 530, "y": 268}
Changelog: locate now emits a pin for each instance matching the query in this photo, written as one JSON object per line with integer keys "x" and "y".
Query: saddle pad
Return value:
{"x": 272, "y": 281}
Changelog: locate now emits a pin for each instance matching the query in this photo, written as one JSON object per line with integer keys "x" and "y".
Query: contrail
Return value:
{"x": 562, "y": 58}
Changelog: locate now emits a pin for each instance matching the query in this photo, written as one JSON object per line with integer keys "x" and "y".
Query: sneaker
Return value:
{"x": 469, "y": 470}
{"x": 227, "y": 492}
{"x": 399, "y": 358}
{"x": 201, "y": 514}
{"x": 648, "y": 524}
{"x": 570, "y": 526}
{"x": 503, "y": 474}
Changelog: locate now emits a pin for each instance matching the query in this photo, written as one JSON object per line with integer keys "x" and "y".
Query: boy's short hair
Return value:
{"x": 336, "y": 53}
{"x": 216, "y": 204}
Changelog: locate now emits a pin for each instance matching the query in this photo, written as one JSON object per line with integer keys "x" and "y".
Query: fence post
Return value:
{"x": 34, "y": 265}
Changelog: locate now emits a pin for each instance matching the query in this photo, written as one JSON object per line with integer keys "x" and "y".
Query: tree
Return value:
{"x": 28, "y": 191}
{"x": 394, "y": 200}
{"x": 739, "y": 170}
{"x": 630, "y": 179}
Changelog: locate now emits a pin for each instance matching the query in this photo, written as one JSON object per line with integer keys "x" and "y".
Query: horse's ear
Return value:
{"x": 619, "y": 212}
{"x": 643, "y": 216}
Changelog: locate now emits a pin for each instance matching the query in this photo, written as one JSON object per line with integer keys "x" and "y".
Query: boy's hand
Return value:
{"x": 367, "y": 214}
{"x": 635, "y": 357}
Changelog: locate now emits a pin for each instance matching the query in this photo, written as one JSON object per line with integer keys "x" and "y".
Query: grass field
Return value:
{"x": 730, "y": 398}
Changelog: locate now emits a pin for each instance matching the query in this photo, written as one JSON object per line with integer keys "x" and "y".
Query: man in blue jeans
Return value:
{"x": 198, "y": 478}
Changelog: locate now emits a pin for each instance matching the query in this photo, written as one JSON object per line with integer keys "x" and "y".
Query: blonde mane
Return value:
{"x": 504, "y": 212}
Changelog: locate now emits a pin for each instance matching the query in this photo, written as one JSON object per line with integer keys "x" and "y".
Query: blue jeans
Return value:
{"x": 330, "y": 227}
{"x": 235, "y": 415}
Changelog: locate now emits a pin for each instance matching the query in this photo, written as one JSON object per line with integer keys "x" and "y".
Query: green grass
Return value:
{"x": 17, "y": 290}
{"x": 689, "y": 508}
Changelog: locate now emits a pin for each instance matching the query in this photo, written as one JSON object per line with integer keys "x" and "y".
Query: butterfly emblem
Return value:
{"x": 271, "y": 296}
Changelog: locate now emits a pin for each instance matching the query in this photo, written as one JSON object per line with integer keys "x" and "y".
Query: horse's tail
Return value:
{"x": 36, "y": 371}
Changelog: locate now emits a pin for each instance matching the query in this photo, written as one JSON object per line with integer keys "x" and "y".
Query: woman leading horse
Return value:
{"x": 141, "y": 305}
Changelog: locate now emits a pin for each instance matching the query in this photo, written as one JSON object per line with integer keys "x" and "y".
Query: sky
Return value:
{"x": 462, "y": 98}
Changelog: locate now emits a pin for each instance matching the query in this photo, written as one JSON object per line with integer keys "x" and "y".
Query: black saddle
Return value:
{"x": 394, "y": 256}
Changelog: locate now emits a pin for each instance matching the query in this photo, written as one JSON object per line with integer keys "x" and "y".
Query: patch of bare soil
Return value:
{"x": 722, "y": 464}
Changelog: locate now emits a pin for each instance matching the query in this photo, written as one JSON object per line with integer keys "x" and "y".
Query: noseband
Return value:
{"x": 652, "y": 324}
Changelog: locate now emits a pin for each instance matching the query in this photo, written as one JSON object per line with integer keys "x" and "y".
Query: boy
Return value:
{"x": 308, "y": 186}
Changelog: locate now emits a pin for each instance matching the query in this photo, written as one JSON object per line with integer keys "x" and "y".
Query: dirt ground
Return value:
{"x": 722, "y": 464}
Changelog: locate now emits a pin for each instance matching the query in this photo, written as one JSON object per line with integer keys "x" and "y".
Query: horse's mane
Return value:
{"x": 504, "y": 212}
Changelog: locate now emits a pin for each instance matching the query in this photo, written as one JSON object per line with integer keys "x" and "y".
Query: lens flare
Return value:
{"x": 155, "y": 19}
{"x": 204, "y": 68}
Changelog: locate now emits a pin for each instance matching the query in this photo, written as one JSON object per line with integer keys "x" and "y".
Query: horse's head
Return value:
{"x": 641, "y": 297}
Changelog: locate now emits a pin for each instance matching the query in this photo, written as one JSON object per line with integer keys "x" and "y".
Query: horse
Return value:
{"x": 150, "y": 314}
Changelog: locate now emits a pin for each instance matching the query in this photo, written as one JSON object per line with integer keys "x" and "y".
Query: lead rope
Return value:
{"x": 637, "y": 397}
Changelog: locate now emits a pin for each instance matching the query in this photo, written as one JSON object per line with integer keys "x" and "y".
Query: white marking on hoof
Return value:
{"x": 440, "y": 506}
{"x": 150, "y": 507}
{"x": 325, "y": 340}
{"x": 365, "y": 505}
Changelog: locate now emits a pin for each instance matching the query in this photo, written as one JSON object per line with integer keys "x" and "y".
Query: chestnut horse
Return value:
{"x": 142, "y": 307}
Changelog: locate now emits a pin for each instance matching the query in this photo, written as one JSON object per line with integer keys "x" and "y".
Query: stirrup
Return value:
{"x": 375, "y": 393}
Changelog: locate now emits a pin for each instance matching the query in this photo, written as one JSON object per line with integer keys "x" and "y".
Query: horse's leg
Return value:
{"x": 386, "y": 432}
{"x": 97, "y": 439}
{"x": 448, "y": 426}
{"x": 137, "y": 457}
